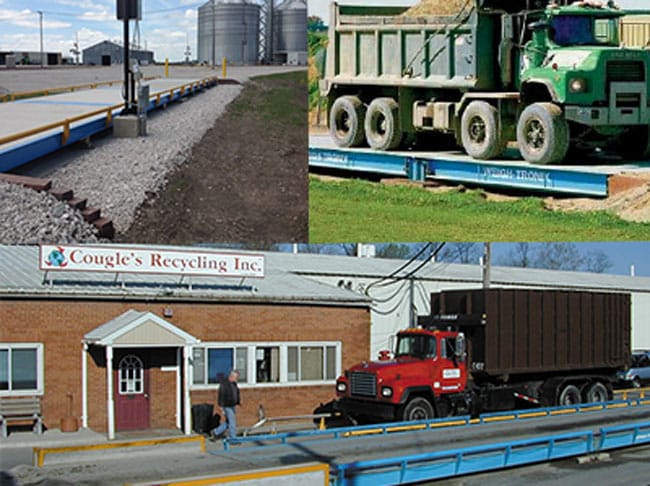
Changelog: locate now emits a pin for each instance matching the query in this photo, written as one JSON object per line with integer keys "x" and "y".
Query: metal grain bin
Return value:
{"x": 516, "y": 331}
{"x": 230, "y": 29}
{"x": 290, "y": 25}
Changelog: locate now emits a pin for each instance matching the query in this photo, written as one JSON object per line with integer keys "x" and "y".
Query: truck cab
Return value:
{"x": 575, "y": 61}
{"x": 425, "y": 366}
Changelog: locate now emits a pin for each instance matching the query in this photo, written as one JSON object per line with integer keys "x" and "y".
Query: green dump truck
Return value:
{"x": 554, "y": 78}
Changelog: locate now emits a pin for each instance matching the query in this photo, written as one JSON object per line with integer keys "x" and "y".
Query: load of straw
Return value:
{"x": 437, "y": 8}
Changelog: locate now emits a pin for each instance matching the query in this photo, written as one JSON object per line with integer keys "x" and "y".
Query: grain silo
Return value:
{"x": 290, "y": 25}
{"x": 230, "y": 29}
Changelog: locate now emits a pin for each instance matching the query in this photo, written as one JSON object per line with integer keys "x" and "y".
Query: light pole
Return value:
{"x": 214, "y": 37}
{"x": 40, "y": 15}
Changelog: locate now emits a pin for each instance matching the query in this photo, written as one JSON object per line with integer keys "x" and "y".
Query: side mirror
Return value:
{"x": 460, "y": 347}
{"x": 539, "y": 25}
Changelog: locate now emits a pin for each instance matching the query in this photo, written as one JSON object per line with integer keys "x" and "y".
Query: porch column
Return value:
{"x": 179, "y": 387}
{"x": 84, "y": 386}
{"x": 186, "y": 391}
{"x": 109, "y": 402}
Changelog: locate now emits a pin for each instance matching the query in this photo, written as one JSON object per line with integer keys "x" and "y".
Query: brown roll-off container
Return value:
{"x": 517, "y": 331}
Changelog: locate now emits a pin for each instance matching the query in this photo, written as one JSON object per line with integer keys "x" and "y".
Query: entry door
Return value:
{"x": 132, "y": 409}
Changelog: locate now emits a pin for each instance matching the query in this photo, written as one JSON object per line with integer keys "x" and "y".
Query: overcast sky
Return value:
{"x": 320, "y": 8}
{"x": 166, "y": 25}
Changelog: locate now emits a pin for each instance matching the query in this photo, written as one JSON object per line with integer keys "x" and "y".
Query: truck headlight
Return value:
{"x": 341, "y": 387}
{"x": 386, "y": 391}
{"x": 577, "y": 85}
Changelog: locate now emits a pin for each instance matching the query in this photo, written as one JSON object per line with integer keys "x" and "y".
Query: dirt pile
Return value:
{"x": 437, "y": 7}
{"x": 631, "y": 205}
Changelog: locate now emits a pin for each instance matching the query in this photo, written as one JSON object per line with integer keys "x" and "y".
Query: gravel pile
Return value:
{"x": 437, "y": 7}
{"x": 116, "y": 175}
{"x": 30, "y": 217}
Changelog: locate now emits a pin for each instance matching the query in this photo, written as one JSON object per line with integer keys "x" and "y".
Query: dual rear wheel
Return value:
{"x": 592, "y": 393}
{"x": 351, "y": 123}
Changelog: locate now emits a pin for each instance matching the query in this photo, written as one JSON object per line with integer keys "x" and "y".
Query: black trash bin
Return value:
{"x": 201, "y": 416}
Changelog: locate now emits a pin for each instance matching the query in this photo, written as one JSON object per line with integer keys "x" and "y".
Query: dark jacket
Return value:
{"x": 228, "y": 393}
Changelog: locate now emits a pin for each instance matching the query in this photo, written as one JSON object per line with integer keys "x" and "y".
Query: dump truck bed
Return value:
{"x": 380, "y": 46}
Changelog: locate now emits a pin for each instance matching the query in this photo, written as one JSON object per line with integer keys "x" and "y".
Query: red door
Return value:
{"x": 131, "y": 393}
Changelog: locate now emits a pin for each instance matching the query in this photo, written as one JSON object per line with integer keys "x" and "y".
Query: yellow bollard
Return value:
{"x": 223, "y": 67}
{"x": 166, "y": 67}
{"x": 321, "y": 426}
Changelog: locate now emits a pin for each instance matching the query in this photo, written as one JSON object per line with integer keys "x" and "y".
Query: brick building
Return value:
{"x": 134, "y": 351}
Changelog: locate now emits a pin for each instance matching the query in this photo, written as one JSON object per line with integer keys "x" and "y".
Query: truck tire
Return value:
{"x": 570, "y": 395}
{"x": 635, "y": 144}
{"x": 480, "y": 131}
{"x": 382, "y": 126}
{"x": 596, "y": 393}
{"x": 543, "y": 134}
{"x": 346, "y": 121}
{"x": 418, "y": 409}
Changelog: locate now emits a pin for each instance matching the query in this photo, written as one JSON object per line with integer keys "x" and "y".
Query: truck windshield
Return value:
{"x": 416, "y": 345}
{"x": 583, "y": 30}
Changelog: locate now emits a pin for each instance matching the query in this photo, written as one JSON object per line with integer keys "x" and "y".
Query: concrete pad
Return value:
{"x": 115, "y": 450}
{"x": 126, "y": 126}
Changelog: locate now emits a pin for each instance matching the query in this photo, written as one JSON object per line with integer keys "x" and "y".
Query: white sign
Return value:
{"x": 451, "y": 373}
{"x": 126, "y": 259}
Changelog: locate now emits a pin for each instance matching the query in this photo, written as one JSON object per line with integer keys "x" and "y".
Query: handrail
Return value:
{"x": 633, "y": 391}
{"x": 108, "y": 110}
{"x": 8, "y": 97}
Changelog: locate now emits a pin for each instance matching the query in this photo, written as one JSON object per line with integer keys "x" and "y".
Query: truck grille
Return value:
{"x": 631, "y": 71}
{"x": 363, "y": 384}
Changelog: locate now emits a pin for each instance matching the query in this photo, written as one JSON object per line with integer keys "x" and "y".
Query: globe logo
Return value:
{"x": 56, "y": 258}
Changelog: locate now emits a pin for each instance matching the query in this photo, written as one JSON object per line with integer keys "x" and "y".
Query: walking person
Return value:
{"x": 227, "y": 399}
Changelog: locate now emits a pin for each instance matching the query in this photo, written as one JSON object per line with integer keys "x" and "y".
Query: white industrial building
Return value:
{"x": 391, "y": 307}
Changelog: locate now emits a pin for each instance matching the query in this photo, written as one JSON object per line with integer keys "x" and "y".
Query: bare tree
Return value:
{"x": 520, "y": 256}
{"x": 558, "y": 256}
{"x": 394, "y": 250}
{"x": 597, "y": 262}
{"x": 311, "y": 248}
{"x": 461, "y": 252}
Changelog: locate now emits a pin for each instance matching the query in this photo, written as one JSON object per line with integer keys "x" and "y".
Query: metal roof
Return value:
{"x": 20, "y": 276}
{"x": 289, "y": 278}
{"x": 343, "y": 266}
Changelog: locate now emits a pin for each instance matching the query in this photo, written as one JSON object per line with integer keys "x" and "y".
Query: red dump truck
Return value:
{"x": 486, "y": 350}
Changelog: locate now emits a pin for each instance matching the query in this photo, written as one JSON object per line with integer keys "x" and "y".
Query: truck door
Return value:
{"x": 452, "y": 367}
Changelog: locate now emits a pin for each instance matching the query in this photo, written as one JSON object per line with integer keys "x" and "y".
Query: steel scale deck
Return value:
{"x": 595, "y": 178}
{"x": 22, "y": 138}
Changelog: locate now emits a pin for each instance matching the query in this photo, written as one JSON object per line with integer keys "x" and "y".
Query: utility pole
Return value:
{"x": 40, "y": 15}
{"x": 487, "y": 264}
{"x": 412, "y": 318}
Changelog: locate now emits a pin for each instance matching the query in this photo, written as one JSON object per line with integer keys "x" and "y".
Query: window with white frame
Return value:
{"x": 131, "y": 375}
{"x": 21, "y": 368}
{"x": 287, "y": 363}
{"x": 213, "y": 364}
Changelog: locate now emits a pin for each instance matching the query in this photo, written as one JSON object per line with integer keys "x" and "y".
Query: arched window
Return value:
{"x": 131, "y": 375}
